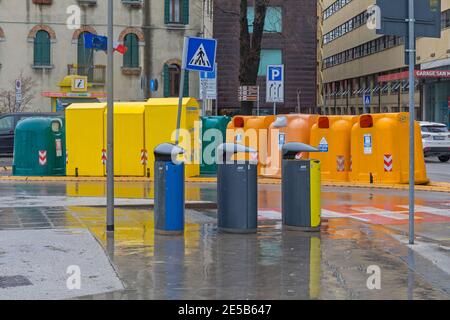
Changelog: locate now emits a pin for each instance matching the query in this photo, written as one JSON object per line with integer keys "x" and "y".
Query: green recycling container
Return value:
{"x": 39, "y": 147}
{"x": 214, "y": 130}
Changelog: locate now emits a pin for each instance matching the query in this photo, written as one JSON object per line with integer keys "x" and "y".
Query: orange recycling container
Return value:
{"x": 286, "y": 129}
{"x": 332, "y": 136}
{"x": 251, "y": 131}
{"x": 380, "y": 150}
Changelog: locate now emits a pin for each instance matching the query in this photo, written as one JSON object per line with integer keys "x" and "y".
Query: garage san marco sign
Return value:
{"x": 421, "y": 74}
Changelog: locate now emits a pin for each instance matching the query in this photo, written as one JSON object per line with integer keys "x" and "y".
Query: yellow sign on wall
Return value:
{"x": 79, "y": 84}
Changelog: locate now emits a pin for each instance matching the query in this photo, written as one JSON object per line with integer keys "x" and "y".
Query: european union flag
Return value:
{"x": 92, "y": 41}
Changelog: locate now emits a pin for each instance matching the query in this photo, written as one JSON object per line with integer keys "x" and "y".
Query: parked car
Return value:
{"x": 436, "y": 140}
{"x": 8, "y": 123}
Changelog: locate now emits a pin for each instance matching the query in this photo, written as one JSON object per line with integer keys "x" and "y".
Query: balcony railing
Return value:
{"x": 96, "y": 74}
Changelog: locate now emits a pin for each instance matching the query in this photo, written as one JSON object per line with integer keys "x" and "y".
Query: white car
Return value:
{"x": 436, "y": 140}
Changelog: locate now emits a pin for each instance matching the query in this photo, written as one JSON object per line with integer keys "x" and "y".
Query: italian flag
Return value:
{"x": 120, "y": 48}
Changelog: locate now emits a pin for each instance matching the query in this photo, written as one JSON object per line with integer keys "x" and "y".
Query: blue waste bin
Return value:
{"x": 169, "y": 190}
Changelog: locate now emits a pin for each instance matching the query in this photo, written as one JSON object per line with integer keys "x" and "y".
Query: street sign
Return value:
{"x": 248, "y": 93}
{"x": 199, "y": 54}
{"x": 208, "y": 85}
{"x": 367, "y": 99}
{"x": 79, "y": 84}
{"x": 154, "y": 85}
{"x": 394, "y": 18}
{"x": 18, "y": 86}
{"x": 275, "y": 84}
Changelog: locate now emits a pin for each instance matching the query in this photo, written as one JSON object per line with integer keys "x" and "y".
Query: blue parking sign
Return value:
{"x": 275, "y": 73}
{"x": 199, "y": 54}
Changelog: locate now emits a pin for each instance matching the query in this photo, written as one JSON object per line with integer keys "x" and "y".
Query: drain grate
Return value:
{"x": 14, "y": 281}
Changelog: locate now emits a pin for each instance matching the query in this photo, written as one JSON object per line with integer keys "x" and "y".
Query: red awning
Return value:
{"x": 419, "y": 74}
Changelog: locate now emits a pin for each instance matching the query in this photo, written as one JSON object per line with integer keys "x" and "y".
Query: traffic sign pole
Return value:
{"x": 110, "y": 128}
{"x": 411, "y": 51}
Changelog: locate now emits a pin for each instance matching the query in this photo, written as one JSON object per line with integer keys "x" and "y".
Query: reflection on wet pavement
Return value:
{"x": 272, "y": 264}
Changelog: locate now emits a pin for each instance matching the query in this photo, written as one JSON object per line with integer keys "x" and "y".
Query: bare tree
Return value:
{"x": 250, "y": 46}
{"x": 8, "y": 101}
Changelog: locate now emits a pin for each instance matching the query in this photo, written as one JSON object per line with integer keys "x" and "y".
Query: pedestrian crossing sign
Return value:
{"x": 199, "y": 54}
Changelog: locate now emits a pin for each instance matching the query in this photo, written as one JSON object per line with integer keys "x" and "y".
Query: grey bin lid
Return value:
{"x": 165, "y": 151}
{"x": 291, "y": 149}
{"x": 225, "y": 151}
{"x": 280, "y": 122}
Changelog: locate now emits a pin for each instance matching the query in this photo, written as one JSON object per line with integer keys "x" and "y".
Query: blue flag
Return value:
{"x": 92, "y": 41}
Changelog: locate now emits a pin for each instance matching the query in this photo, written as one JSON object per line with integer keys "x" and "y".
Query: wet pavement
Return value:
{"x": 438, "y": 171}
{"x": 361, "y": 228}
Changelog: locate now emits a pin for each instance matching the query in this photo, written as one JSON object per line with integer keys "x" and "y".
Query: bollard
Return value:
{"x": 237, "y": 190}
{"x": 300, "y": 189}
{"x": 169, "y": 190}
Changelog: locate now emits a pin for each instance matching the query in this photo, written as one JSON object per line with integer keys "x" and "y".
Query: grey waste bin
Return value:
{"x": 169, "y": 190}
{"x": 237, "y": 190}
{"x": 301, "y": 188}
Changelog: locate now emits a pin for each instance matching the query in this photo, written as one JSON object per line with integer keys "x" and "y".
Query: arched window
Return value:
{"x": 172, "y": 75}
{"x": 85, "y": 59}
{"x": 42, "y": 48}
{"x": 131, "y": 57}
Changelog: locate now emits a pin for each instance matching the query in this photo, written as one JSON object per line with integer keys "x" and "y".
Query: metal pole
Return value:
{"x": 110, "y": 129}
{"x": 180, "y": 106}
{"x": 257, "y": 90}
{"x": 180, "y": 94}
{"x": 411, "y": 50}
{"x": 274, "y": 108}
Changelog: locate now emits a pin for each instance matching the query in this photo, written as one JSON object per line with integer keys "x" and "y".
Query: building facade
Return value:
{"x": 290, "y": 38}
{"x": 357, "y": 62}
{"x": 40, "y": 39}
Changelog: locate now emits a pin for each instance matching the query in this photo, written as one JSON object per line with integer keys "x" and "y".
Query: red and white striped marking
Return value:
{"x": 43, "y": 157}
{"x": 351, "y": 164}
{"x": 104, "y": 157}
{"x": 254, "y": 156}
{"x": 388, "y": 163}
{"x": 67, "y": 156}
{"x": 144, "y": 157}
{"x": 340, "y": 161}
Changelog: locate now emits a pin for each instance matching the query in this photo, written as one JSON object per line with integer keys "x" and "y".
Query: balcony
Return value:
{"x": 96, "y": 74}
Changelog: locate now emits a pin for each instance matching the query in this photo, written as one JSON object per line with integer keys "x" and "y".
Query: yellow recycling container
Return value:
{"x": 161, "y": 122}
{"x": 252, "y": 132}
{"x": 380, "y": 150}
{"x": 85, "y": 140}
{"x": 285, "y": 129}
{"x": 332, "y": 135}
{"x": 130, "y": 156}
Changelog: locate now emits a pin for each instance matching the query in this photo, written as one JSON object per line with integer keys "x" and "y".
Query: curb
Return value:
{"x": 431, "y": 187}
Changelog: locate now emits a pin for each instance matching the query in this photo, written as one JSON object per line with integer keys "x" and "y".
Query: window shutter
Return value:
{"x": 37, "y": 51}
{"x": 42, "y": 48}
{"x": 131, "y": 57}
{"x": 127, "y": 61}
{"x": 185, "y": 11}
{"x": 135, "y": 52}
{"x": 166, "y": 81}
{"x": 186, "y": 84}
{"x": 166, "y": 11}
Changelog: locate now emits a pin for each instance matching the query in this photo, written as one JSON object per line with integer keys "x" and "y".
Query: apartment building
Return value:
{"x": 358, "y": 62}
{"x": 37, "y": 41}
{"x": 290, "y": 38}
